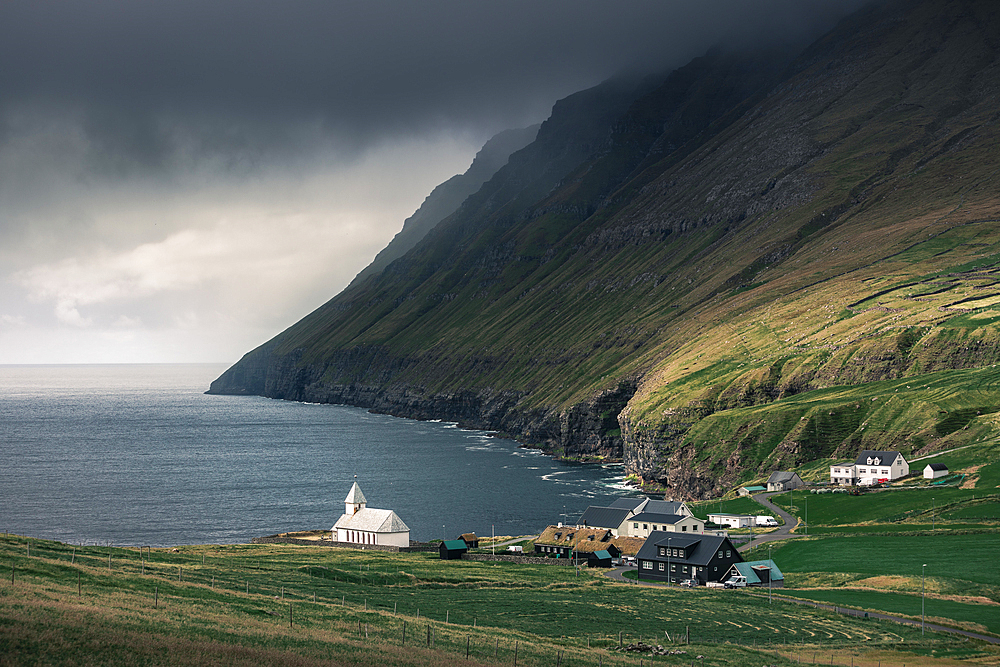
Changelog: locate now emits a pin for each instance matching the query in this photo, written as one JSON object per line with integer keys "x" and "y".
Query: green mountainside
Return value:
{"x": 761, "y": 259}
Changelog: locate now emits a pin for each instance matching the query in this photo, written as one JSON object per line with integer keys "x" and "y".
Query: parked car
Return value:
{"x": 629, "y": 560}
{"x": 689, "y": 583}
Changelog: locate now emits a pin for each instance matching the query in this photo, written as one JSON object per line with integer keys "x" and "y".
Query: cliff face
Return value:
{"x": 753, "y": 261}
{"x": 447, "y": 197}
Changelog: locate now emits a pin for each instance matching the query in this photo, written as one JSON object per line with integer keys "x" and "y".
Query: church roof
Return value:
{"x": 372, "y": 521}
{"x": 355, "y": 496}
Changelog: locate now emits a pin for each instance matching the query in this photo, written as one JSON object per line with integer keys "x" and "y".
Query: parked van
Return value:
{"x": 766, "y": 521}
{"x": 736, "y": 581}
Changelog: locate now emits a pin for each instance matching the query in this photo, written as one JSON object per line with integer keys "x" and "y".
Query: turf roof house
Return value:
{"x": 571, "y": 541}
{"x": 360, "y": 524}
{"x": 871, "y": 467}
{"x": 672, "y": 557}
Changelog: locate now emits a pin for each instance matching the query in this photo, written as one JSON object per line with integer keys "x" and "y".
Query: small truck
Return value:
{"x": 766, "y": 521}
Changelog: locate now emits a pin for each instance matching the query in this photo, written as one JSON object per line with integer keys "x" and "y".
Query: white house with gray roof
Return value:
{"x": 871, "y": 467}
{"x": 360, "y": 524}
{"x": 620, "y": 517}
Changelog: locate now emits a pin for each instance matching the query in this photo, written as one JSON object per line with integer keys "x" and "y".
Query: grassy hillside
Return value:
{"x": 813, "y": 269}
{"x": 231, "y": 605}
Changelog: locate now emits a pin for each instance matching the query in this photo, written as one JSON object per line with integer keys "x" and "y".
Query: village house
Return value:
{"x": 644, "y": 523}
{"x": 360, "y": 524}
{"x": 871, "y": 467}
{"x": 673, "y": 558}
{"x": 620, "y": 516}
{"x": 568, "y": 541}
{"x": 782, "y": 480}
{"x": 751, "y": 490}
{"x": 935, "y": 470}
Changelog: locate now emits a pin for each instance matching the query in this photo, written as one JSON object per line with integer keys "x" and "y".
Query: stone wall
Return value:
{"x": 276, "y": 539}
{"x": 520, "y": 559}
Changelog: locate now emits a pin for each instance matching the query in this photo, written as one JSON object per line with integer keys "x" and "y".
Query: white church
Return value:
{"x": 361, "y": 524}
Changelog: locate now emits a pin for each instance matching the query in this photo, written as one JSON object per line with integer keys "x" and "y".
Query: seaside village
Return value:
{"x": 662, "y": 539}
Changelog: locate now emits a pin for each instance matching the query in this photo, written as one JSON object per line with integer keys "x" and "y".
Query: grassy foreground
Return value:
{"x": 272, "y": 604}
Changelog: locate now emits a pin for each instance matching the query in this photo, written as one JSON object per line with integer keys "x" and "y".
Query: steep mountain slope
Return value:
{"x": 747, "y": 264}
{"x": 447, "y": 197}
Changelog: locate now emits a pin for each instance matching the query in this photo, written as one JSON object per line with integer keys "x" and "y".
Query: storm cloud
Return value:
{"x": 181, "y": 180}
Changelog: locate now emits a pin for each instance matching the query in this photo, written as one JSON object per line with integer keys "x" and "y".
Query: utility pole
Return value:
{"x": 922, "y": 568}
{"x": 770, "y": 571}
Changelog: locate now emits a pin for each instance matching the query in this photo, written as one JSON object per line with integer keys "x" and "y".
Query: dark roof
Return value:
{"x": 884, "y": 458}
{"x": 659, "y": 518}
{"x": 700, "y": 548}
{"x": 662, "y": 507}
{"x": 937, "y": 466}
{"x": 780, "y": 476}
{"x": 604, "y": 517}
{"x": 627, "y": 503}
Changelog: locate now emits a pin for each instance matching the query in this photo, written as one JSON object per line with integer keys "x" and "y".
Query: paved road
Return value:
{"x": 783, "y": 532}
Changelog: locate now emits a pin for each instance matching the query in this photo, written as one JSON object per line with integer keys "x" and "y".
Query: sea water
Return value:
{"x": 139, "y": 454}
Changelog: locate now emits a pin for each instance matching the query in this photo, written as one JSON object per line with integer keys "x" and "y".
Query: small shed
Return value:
{"x": 600, "y": 558}
{"x": 470, "y": 540}
{"x": 935, "y": 470}
{"x": 750, "y": 490}
{"x": 760, "y": 573}
{"x": 453, "y": 549}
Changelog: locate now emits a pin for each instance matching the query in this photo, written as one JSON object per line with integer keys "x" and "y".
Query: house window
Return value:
{"x": 662, "y": 550}
{"x": 729, "y": 554}
{"x": 673, "y": 567}
{"x": 661, "y": 567}
{"x": 647, "y": 565}
{"x": 861, "y": 470}
{"x": 645, "y": 526}
{"x": 635, "y": 525}
{"x": 684, "y": 528}
{"x": 885, "y": 472}
{"x": 720, "y": 554}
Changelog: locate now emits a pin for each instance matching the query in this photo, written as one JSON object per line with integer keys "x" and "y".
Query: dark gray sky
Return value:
{"x": 181, "y": 180}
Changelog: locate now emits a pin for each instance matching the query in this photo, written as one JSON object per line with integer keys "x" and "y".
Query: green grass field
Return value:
{"x": 885, "y": 572}
{"x": 250, "y": 604}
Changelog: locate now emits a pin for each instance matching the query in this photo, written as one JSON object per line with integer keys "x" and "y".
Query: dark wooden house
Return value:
{"x": 671, "y": 557}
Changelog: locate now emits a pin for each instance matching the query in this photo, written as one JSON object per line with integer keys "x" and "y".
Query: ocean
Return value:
{"x": 140, "y": 455}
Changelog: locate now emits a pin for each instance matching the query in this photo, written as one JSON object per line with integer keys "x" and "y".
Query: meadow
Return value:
{"x": 889, "y": 572}
{"x": 282, "y": 604}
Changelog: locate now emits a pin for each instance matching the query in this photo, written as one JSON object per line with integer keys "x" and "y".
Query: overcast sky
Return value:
{"x": 182, "y": 180}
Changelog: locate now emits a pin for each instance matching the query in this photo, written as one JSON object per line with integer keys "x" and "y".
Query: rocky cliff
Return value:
{"x": 761, "y": 259}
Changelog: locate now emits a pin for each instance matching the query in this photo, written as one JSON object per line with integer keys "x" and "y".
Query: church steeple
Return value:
{"x": 355, "y": 500}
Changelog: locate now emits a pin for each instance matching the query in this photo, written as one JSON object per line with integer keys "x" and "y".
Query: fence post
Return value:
{"x": 468, "y": 641}
{"x": 404, "y": 633}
